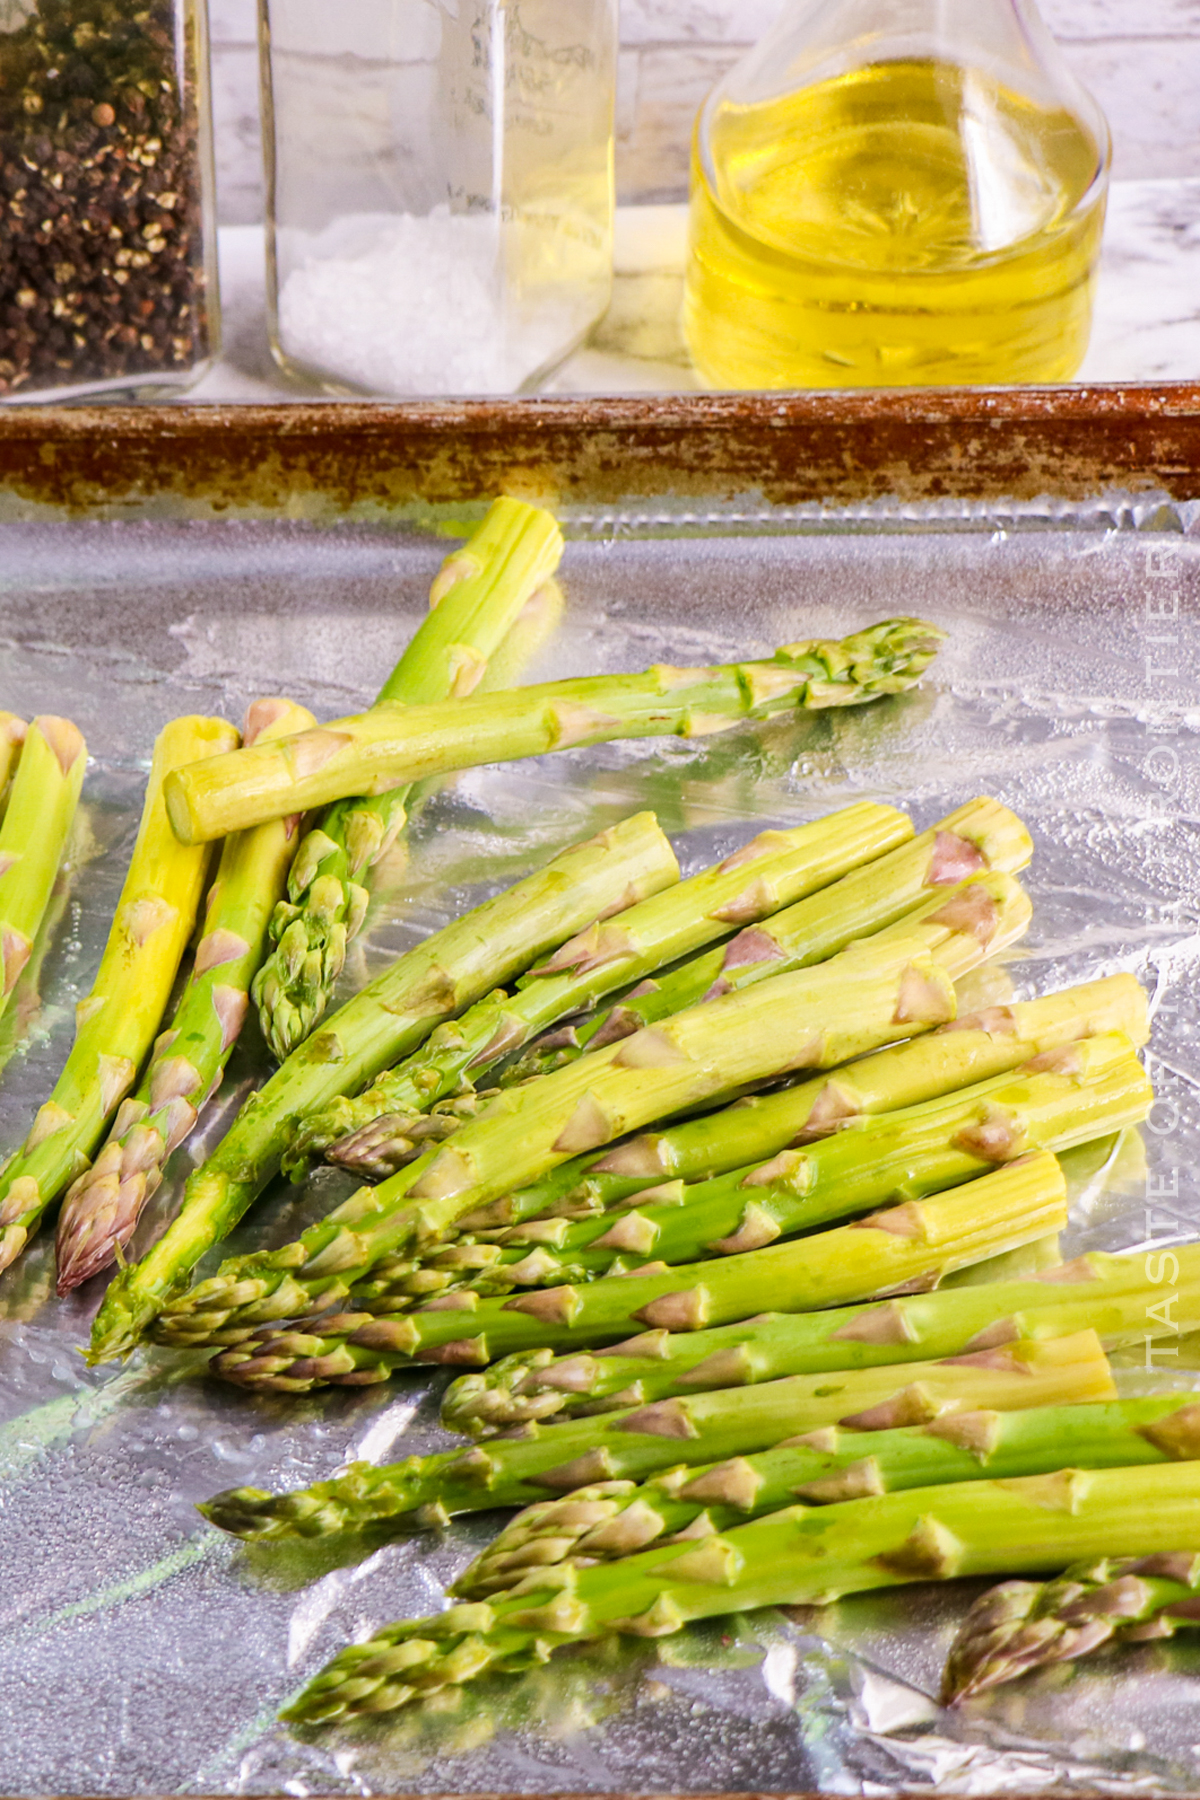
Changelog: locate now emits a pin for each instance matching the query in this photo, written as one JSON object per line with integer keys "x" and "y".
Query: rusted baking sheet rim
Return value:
{"x": 837, "y": 449}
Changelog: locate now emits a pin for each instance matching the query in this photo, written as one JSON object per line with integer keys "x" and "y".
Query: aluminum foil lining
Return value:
{"x": 141, "y": 1651}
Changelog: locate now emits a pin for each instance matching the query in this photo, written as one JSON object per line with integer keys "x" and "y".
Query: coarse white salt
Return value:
{"x": 400, "y": 304}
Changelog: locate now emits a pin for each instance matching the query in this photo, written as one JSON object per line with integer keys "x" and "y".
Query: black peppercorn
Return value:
{"x": 101, "y": 252}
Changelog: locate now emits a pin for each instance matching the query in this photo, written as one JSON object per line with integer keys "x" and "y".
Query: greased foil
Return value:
{"x": 141, "y": 1651}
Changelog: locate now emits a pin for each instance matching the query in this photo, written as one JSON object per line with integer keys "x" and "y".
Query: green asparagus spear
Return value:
{"x": 774, "y": 869}
{"x": 103, "y": 1206}
{"x": 116, "y": 1023}
{"x": 476, "y": 598}
{"x": 615, "y": 1519}
{"x": 446, "y": 973}
{"x": 980, "y": 836}
{"x": 12, "y": 736}
{"x": 799, "y": 1556}
{"x": 377, "y": 750}
{"x": 751, "y": 1130}
{"x": 917, "y": 1242}
{"x": 914, "y": 1151}
{"x": 647, "y": 1440}
{"x": 1024, "y": 1625}
{"x": 37, "y": 820}
{"x": 811, "y": 1018}
{"x": 1115, "y": 1294}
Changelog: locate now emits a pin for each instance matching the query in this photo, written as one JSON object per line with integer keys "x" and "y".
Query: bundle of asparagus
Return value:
{"x": 38, "y": 814}
{"x": 798, "y": 1555}
{"x": 758, "y": 1127}
{"x": 376, "y": 1133}
{"x": 378, "y": 750}
{"x": 727, "y": 1422}
{"x": 810, "y": 1019}
{"x": 103, "y": 1206}
{"x": 1112, "y": 1295}
{"x": 915, "y": 1153}
{"x": 616, "y": 1518}
{"x": 395, "y": 1011}
{"x": 769, "y": 873}
{"x": 477, "y": 597}
{"x": 116, "y": 1023}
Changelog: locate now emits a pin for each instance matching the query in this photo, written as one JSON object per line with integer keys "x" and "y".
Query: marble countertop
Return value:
{"x": 1147, "y": 324}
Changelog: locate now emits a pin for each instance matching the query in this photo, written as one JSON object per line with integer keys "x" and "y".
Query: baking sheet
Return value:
{"x": 141, "y": 1651}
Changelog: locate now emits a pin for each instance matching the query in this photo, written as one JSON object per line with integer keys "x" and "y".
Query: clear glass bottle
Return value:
{"x": 108, "y": 280}
{"x": 895, "y": 192}
{"x": 439, "y": 189}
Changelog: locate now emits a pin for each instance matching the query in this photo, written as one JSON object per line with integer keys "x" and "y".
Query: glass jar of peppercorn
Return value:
{"x": 107, "y": 236}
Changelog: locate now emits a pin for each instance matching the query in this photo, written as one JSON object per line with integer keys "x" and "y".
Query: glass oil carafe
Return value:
{"x": 896, "y": 192}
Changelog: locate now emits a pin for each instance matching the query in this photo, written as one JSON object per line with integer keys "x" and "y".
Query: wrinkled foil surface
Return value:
{"x": 143, "y": 1652}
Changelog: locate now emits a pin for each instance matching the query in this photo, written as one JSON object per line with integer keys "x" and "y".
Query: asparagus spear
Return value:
{"x": 392, "y": 1014}
{"x": 616, "y": 1518}
{"x": 979, "y": 836}
{"x": 389, "y": 745}
{"x": 37, "y": 820}
{"x": 1024, "y": 1625}
{"x": 751, "y": 1130}
{"x": 12, "y": 736}
{"x": 643, "y": 1441}
{"x": 775, "y": 868}
{"x": 478, "y": 594}
{"x": 915, "y": 1151}
{"x": 103, "y": 1206}
{"x": 116, "y": 1023}
{"x": 811, "y": 1018}
{"x": 1114, "y": 1294}
{"x": 799, "y": 1556}
{"x": 916, "y": 1242}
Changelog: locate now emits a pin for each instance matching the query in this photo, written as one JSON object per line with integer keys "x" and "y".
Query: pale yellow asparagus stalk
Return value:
{"x": 116, "y": 1023}
{"x": 103, "y": 1206}
{"x": 37, "y": 821}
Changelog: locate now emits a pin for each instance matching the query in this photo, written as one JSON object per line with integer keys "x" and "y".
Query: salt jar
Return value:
{"x": 439, "y": 189}
{"x": 108, "y": 280}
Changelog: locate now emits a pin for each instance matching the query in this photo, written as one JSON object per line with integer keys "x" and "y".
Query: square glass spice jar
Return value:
{"x": 107, "y": 236}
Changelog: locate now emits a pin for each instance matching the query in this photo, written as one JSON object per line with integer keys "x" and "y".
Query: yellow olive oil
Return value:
{"x": 908, "y": 223}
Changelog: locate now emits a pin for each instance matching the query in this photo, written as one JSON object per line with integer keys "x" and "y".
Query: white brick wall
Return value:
{"x": 1141, "y": 58}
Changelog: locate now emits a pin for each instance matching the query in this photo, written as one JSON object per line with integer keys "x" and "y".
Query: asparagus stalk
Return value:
{"x": 640, "y": 1442}
{"x": 1024, "y": 1625}
{"x": 775, "y": 868}
{"x": 916, "y": 1151}
{"x": 799, "y": 1556}
{"x": 614, "y": 1519}
{"x": 37, "y": 821}
{"x": 392, "y": 1014}
{"x": 980, "y": 836}
{"x": 477, "y": 596}
{"x": 812, "y": 1018}
{"x": 12, "y": 736}
{"x": 916, "y": 1242}
{"x": 116, "y": 1023}
{"x": 103, "y": 1206}
{"x": 375, "y": 751}
{"x": 971, "y": 1049}
{"x": 1114, "y": 1294}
